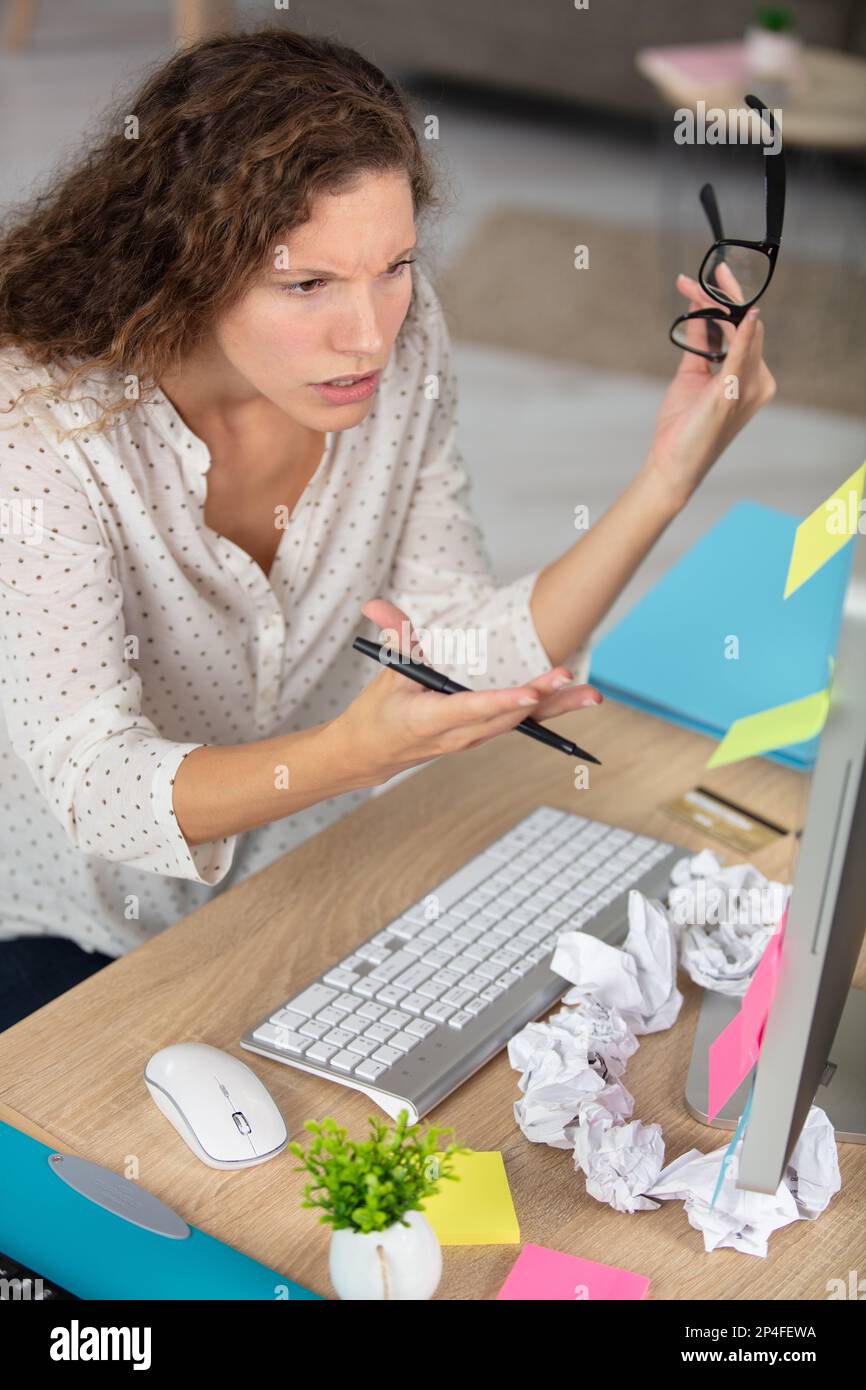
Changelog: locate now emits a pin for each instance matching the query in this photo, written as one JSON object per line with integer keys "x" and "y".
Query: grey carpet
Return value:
{"x": 514, "y": 286}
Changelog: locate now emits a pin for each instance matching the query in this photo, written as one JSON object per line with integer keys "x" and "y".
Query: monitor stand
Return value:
{"x": 841, "y": 1094}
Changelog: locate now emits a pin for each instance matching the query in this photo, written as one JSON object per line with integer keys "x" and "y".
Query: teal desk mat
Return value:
{"x": 64, "y": 1236}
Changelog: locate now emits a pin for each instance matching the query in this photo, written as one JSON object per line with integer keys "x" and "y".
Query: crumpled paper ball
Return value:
{"x": 621, "y": 1161}
{"x": 742, "y": 1220}
{"x": 724, "y": 918}
{"x": 558, "y": 1077}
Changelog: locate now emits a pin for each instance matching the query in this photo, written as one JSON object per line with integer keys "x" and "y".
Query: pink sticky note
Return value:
{"x": 540, "y": 1273}
{"x": 735, "y": 1051}
{"x": 711, "y": 62}
{"x": 729, "y": 1063}
{"x": 762, "y": 987}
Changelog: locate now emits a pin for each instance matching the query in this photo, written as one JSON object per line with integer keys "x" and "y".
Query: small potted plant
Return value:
{"x": 371, "y": 1192}
{"x": 773, "y": 48}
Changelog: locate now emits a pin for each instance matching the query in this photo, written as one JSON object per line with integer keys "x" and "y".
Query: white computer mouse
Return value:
{"x": 217, "y": 1104}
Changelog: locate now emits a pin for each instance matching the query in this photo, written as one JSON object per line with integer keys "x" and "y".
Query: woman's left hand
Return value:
{"x": 702, "y": 410}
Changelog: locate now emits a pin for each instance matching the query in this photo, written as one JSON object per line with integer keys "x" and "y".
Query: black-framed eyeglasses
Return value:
{"x": 735, "y": 273}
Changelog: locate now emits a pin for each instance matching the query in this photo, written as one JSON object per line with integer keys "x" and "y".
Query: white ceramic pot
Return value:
{"x": 773, "y": 55}
{"x": 399, "y": 1262}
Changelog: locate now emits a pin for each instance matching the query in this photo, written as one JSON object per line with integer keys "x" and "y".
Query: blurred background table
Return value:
{"x": 824, "y": 108}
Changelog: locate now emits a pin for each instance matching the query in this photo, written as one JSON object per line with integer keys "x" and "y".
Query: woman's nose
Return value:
{"x": 359, "y": 333}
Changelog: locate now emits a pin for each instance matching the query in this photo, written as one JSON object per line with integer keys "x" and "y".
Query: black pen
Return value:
{"x": 434, "y": 680}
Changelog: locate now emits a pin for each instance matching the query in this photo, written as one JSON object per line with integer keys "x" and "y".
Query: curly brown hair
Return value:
{"x": 168, "y": 217}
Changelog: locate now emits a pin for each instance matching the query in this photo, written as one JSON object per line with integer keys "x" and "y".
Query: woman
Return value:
{"x": 197, "y": 518}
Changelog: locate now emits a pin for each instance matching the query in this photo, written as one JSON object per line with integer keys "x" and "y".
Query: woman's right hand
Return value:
{"x": 395, "y": 724}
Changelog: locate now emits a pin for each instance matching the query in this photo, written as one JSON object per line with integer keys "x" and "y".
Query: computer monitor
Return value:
{"x": 814, "y": 1045}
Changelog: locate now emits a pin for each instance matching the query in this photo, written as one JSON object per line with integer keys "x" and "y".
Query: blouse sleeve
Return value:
{"x": 70, "y": 694}
{"x": 480, "y": 633}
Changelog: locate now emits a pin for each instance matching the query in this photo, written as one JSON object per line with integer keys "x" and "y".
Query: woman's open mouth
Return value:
{"x": 346, "y": 390}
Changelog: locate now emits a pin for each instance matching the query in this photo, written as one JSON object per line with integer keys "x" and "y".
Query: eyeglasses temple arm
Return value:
{"x": 774, "y": 174}
{"x": 711, "y": 208}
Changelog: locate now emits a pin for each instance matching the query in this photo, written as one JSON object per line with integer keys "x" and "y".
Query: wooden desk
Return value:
{"x": 824, "y": 108}
{"x": 71, "y": 1074}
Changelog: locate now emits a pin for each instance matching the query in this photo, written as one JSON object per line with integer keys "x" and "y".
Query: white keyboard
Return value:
{"x": 413, "y": 1011}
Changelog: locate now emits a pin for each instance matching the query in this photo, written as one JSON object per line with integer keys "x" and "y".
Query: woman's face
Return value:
{"x": 330, "y": 307}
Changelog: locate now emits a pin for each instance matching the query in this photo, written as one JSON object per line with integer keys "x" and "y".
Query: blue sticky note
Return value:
{"x": 715, "y": 640}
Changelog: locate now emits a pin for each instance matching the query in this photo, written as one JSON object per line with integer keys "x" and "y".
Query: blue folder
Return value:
{"x": 67, "y": 1238}
{"x": 668, "y": 654}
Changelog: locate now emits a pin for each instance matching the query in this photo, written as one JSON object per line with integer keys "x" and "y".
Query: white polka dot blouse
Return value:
{"x": 131, "y": 633}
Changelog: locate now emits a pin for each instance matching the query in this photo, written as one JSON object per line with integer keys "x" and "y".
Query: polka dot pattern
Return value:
{"x": 131, "y": 633}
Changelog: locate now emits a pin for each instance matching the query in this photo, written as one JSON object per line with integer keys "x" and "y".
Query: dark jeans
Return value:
{"x": 34, "y": 969}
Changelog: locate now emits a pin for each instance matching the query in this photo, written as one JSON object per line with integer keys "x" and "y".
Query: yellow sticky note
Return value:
{"x": 773, "y": 728}
{"x": 477, "y": 1210}
{"x": 828, "y": 528}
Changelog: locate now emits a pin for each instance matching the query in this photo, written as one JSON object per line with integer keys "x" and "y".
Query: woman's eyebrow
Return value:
{"x": 332, "y": 274}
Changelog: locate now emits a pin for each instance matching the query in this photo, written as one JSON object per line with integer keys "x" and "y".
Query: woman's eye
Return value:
{"x": 300, "y": 289}
{"x": 294, "y": 287}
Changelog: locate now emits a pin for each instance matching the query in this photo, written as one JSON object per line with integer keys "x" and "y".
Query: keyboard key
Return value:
{"x": 314, "y": 1029}
{"x": 362, "y": 1047}
{"x": 344, "y": 1061}
{"x": 461, "y": 910}
{"x": 458, "y": 886}
{"x": 391, "y": 994}
{"x": 353, "y": 1024}
{"x": 284, "y": 1038}
{"x": 371, "y": 953}
{"x": 369, "y": 1070}
{"x": 404, "y": 1042}
{"x": 330, "y": 1015}
{"x": 378, "y": 1032}
{"x": 414, "y": 1004}
{"x": 467, "y": 933}
{"x": 383, "y": 938}
{"x": 340, "y": 976}
{"x": 371, "y": 1011}
{"x": 320, "y": 1052}
{"x": 289, "y": 1018}
{"x": 416, "y": 949}
{"x": 338, "y": 1036}
{"x": 446, "y": 978}
{"x": 421, "y": 1026}
{"x": 492, "y": 992}
{"x": 511, "y": 977}
{"x": 387, "y": 1056}
{"x": 365, "y": 987}
{"x": 312, "y": 1000}
{"x": 405, "y": 929}
{"x": 460, "y": 1020}
{"x": 432, "y": 935}
{"x": 457, "y": 997}
{"x": 474, "y": 982}
{"x": 396, "y": 963}
{"x": 440, "y": 1012}
{"x": 461, "y": 967}
{"x": 415, "y": 975}
{"x": 395, "y": 1019}
{"x": 345, "y": 1003}
{"x": 430, "y": 990}
{"x": 488, "y": 970}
